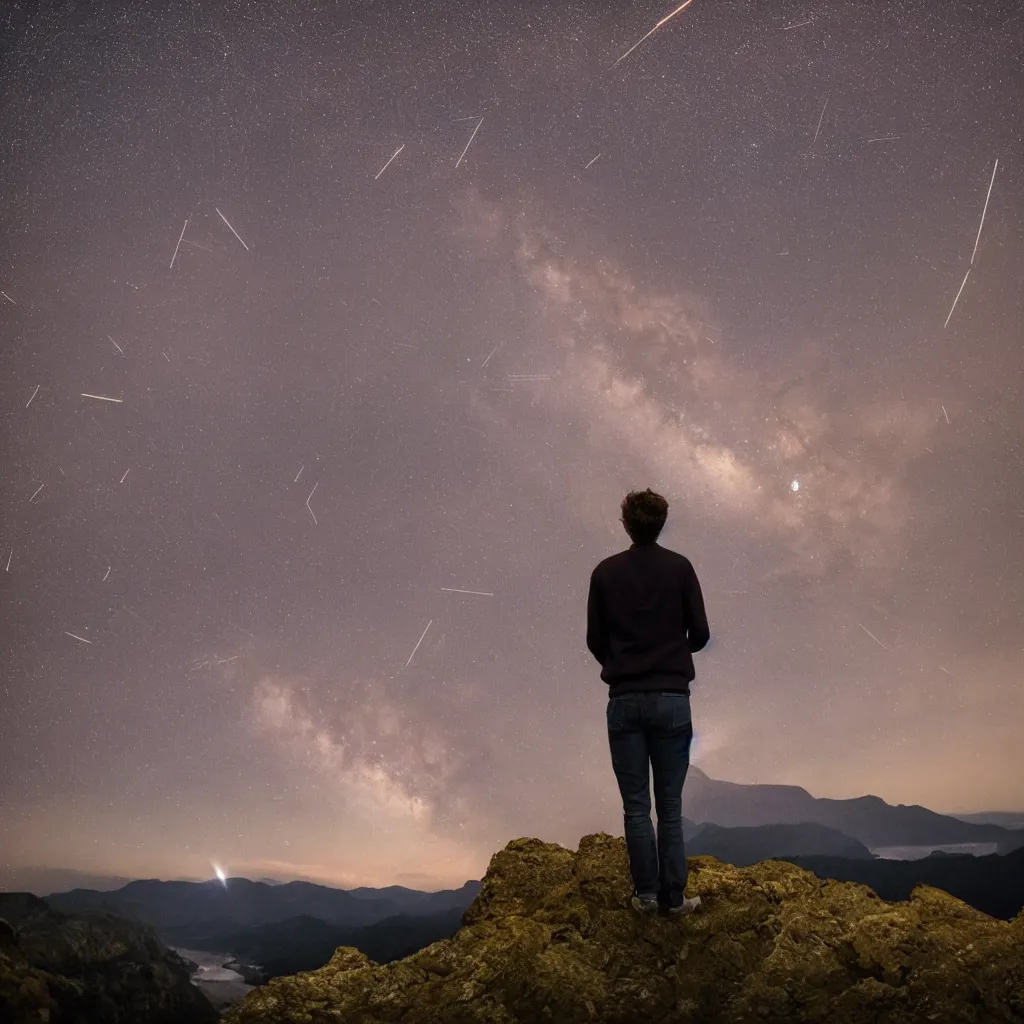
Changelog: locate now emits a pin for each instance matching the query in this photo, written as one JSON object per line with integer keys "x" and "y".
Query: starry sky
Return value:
{"x": 235, "y": 627}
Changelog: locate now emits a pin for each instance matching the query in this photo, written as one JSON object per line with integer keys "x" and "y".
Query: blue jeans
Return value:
{"x": 652, "y": 727}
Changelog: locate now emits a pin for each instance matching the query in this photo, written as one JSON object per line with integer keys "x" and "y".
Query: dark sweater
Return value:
{"x": 645, "y": 617}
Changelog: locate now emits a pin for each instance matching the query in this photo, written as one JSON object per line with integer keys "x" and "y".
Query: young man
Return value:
{"x": 645, "y": 618}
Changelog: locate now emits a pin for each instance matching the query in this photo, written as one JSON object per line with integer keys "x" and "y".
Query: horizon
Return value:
{"x": 106, "y": 883}
{"x": 329, "y": 367}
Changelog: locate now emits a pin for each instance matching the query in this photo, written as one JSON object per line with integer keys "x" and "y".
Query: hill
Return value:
{"x": 747, "y": 845}
{"x": 97, "y": 969}
{"x": 551, "y": 937}
{"x": 992, "y": 884}
{"x": 868, "y": 819}
{"x": 185, "y": 912}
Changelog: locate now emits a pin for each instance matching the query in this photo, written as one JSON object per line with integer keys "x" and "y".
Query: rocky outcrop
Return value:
{"x": 551, "y": 938}
{"x": 89, "y": 969}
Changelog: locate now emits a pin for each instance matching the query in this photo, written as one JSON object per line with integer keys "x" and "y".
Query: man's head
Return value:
{"x": 643, "y": 515}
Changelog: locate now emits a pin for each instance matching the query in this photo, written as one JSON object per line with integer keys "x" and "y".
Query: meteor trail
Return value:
{"x": 233, "y": 231}
{"x": 82, "y": 638}
{"x": 668, "y": 17}
{"x": 388, "y": 164}
{"x": 982, "y": 224}
{"x": 957, "y": 299}
{"x": 818, "y": 129}
{"x": 178, "y": 246}
{"x": 418, "y": 642}
{"x": 470, "y": 143}
{"x": 311, "y": 493}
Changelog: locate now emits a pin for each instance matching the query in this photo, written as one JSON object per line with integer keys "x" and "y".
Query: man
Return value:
{"x": 645, "y": 617}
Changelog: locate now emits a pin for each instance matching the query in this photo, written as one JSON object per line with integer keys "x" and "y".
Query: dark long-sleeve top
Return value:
{"x": 645, "y": 619}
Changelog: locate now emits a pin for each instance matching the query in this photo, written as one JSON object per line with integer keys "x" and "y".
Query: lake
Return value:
{"x": 920, "y": 852}
{"x": 222, "y": 986}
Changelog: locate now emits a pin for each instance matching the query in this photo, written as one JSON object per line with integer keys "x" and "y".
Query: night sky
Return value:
{"x": 721, "y": 269}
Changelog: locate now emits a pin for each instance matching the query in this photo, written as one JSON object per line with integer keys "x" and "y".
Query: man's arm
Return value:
{"x": 696, "y": 618}
{"x": 597, "y": 634}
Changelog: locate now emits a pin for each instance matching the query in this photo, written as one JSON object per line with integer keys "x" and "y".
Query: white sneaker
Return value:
{"x": 688, "y": 906}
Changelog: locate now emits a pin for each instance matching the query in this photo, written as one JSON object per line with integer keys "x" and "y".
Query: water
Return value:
{"x": 222, "y": 986}
{"x": 920, "y": 852}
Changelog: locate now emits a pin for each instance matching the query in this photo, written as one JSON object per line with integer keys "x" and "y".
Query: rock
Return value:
{"x": 551, "y": 938}
{"x": 89, "y": 969}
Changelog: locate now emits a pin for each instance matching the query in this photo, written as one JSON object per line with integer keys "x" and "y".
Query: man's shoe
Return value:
{"x": 688, "y": 906}
{"x": 644, "y": 906}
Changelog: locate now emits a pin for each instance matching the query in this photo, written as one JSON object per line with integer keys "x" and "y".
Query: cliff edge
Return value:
{"x": 89, "y": 969}
{"x": 551, "y": 938}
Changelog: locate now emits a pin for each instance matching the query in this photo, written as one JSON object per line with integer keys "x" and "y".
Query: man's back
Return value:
{"x": 645, "y": 617}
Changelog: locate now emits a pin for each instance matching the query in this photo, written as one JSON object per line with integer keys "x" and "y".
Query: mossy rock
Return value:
{"x": 551, "y": 938}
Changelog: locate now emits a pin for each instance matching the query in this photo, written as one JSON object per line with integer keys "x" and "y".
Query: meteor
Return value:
{"x": 668, "y": 17}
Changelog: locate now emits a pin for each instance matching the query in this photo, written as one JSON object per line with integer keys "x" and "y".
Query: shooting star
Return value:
{"x": 102, "y": 398}
{"x": 873, "y": 637}
{"x": 233, "y": 231}
{"x": 104, "y": 580}
{"x": 297, "y": 475}
{"x": 9, "y": 557}
{"x": 38, "y": 489}
{"x": 591, "y": 161}
{"x": 479, "y": 593}
{"x": 315, "y": 486}
{"x": 668, "y": 17}
{"x": 8, "y": 298}
{"x": 470, "y": 143}
{"x": 418, "y": 642}
{"x": 982, "y": 224}
{"x": 126, "y": 472}
{"x": 198, "y": 246}
{"x": 82, "y": 638}
{"x": 180, "y": 237}
{"x": 957, "y": 299}
{"x": 944, "y": 413}
{"x": 471, "y": 117}
{"x": 799, "y": 24}
{"x": 820, "y": 119}
{"x": 488, "y": 359}
{"x": 388, "y": 164}
{"x": 884, "y": 138}
{"x": 34, "y": 393}
{"x": 115, "y": 344}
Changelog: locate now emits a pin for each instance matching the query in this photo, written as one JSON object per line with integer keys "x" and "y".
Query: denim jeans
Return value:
{"x": 652, "y": 727}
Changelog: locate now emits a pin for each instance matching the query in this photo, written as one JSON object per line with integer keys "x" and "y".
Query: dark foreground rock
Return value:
{"x": 551, "y": 938}
{"x": 89, "y": 969}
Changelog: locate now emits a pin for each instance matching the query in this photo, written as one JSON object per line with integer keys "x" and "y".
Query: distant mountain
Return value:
{"x": 43, "y": 881}
{"x": 196, "y": 908}
{"x": 99, "y": 969}
{"x": 306, "y": 943}
{"x": 993, "y": 884}
{"x": 748, "y": 845}
{"x": 868, "y": 819}
{"x": 1007, "y": 819}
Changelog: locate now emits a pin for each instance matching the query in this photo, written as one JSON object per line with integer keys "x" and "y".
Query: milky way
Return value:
{"x": 334, "y": 335}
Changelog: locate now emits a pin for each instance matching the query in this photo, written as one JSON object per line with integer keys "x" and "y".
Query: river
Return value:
{"x": 222, "y": 986}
